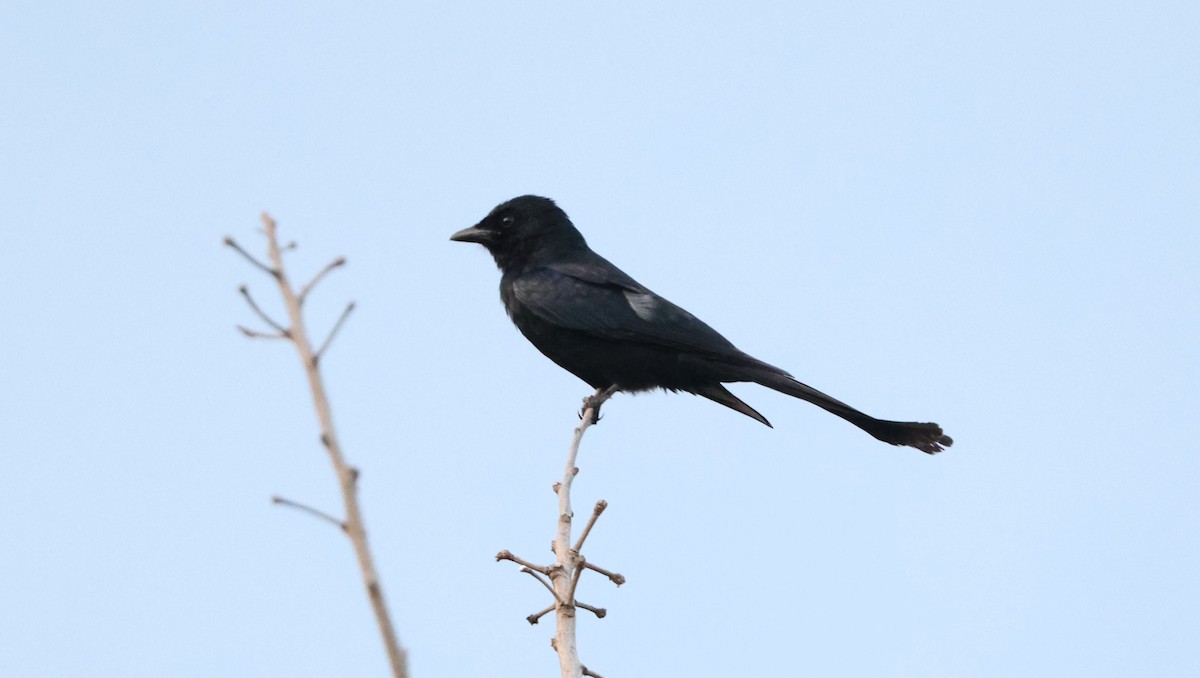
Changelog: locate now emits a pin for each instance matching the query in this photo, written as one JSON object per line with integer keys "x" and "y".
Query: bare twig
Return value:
{"x": 303, "y": 295}
{"x": 507, "y": 555}
{"x": 347, "y": 475}
{"x": 614, "y": 577}
{"x": 600, "y": 506}
{"x": 262, "y": 314}
{"x": 593, "y": 674}
{"x": 249, "y": 257}
{"x": 600, "y": 612}
{"x": 255, "y": 334}
{"x": 283, "y": 501}
{"x": 333, "y": 332}
{"x": 533, "y": 618}
{"x": 542, "y": 581}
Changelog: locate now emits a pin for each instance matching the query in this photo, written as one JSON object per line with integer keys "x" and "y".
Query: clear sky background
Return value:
{"x": 981, "y": 214}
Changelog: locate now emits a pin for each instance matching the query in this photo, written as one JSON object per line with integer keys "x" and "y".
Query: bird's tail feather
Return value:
{"x": 719, "y": 394}
{"x": 927, "y": 437}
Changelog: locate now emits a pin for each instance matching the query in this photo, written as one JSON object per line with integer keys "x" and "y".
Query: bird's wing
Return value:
{"x": 598, "y": 298}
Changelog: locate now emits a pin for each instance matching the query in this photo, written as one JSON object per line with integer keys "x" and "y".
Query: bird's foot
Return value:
{"x": 593, "y": 402}
{"x": 591, "y": 407}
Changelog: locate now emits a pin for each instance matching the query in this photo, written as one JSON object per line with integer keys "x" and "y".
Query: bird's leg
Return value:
{"x": 594, "y": 401}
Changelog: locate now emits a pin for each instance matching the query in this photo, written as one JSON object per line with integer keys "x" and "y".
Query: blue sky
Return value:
{"x": 980, "y": 214}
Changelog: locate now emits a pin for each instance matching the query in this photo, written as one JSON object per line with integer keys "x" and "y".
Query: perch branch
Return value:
{"x": 567, "y": 560}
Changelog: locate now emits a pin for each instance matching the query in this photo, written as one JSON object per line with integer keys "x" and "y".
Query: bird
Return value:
{"x": 598, "y": 323}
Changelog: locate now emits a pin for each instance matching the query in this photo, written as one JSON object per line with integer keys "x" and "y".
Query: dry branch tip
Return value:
{"x": 614, "y": 577}
{"x": 533, "y": 618}
{"x": 255, "y": 334}
{"x": 587, "y": 529}
{"x": 600, "y": 612}
{"x": 283, "y": 501}
{"x": 320, "y": 352}
{"x": 230, "y": 242}
{"x": 508, "y": 555}
{"x": 245, "y": 291}
{"x": 303, "y": 295}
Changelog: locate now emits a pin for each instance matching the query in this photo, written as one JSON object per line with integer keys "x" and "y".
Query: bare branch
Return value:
{"x": 568, "y": 562}
{"x": 333, "y": 332}
{"x": 261, "y": 314}
{"x": 614, "y": 577}
{"x": 543, "y": 581}
{"x": 588, "y": 672}
{"x": 575, "y": 574}
{"x": 533, "y": 618}
{"x": 249, "y": 257}
{"x": 600, "y": 506}
{"x": 283, "y": 501}
{"x": 255, "y": 334}
{"x": 600, "y": 612}
{"x": 508, "y": 555}
{"x": 347, "y": 475}
{"x": 303, "y": 295}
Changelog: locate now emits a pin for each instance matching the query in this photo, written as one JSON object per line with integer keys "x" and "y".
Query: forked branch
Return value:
{"x": 347, "y": 475}
{"x": 569, "y": 564}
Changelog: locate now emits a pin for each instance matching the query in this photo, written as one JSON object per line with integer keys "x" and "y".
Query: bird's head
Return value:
{"x": 525, "y": 231}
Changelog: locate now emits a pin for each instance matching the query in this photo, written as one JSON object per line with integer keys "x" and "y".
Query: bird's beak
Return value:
{"x": 473, "y": 234}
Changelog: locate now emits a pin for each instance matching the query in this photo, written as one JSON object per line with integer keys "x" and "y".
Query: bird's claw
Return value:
{"x": 592, "y": 403}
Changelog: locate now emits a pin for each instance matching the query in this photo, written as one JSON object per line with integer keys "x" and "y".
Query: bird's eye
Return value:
{"x": 508, "y": 220}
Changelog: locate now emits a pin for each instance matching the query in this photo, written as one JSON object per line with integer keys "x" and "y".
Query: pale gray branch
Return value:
{"x": 353, "y": 525}
{"x": 587, "y": 529}
{"x": 567, "y": 560}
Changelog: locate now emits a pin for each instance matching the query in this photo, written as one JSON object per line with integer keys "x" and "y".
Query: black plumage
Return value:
{"x": 604, "y": 327}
